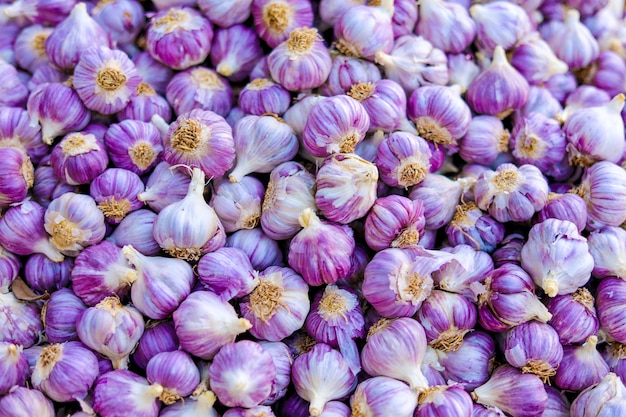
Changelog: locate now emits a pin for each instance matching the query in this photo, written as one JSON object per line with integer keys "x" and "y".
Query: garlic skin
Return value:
{"x": 10, "y": 265}
{"x": 446, "y": 400}
{"x": 176, "y": 372}
{"x": 74, "y": 222}
{"x": 346, "y": 187}
{"x": 125, "y": 392}
{"x": 262, "y": 95}
{"x": 79, "y": 158}
{"x": 605, "y": 398}
{"x": 228, "y": 273}
{"x": 136, "y": 230}
{"x": 201, "y": 139}
{"x": 101, "y": 271}
{"x": 105, "y": 79}
{"x": 18, "y": 172}
{"x": 275, "y": 20}
{"x": 301, "y": 62}
{"x": 226, "y": 13}
{"x": 609, "y": 297}
{"x": 588, "y": 136}
{"x": 566, "y": 207}
{"x": 503, "y": 391}
{"x": 335, "y": 125}
{"x": 179, "y": 26}
{"x": 472, "y": 363}
{"x": 566, "y": 263}
{"x": 65, "y": 372}
{"x": 58, "y": 109}
{"x": 202, "y": 88}
{"x": 484, "y": 140}
{"x": 60, "y": 314}
{"x": 490, "y": 19}
{"x": 278, "y": 305}
{"x": 347, "y": 71}
{"x": 605, "y": 245}
{"x": 406, "y": 338}
{"x": 459, "y": 273}
{"x": 383, "y": 396}
{"x": 322, "y": 375}
{"x": 261, "y": 144}
{"x": 145, "y": 104}
{"x": 535, "y": 60}
{"x": 448, "y": 26}
{"x": 165, "y": 185}
{"x": 414, "y": 62}
{"x": 17, "y": 131}
{"x": 73, "y": 36}
{"x": 241, "y": 374}
{"x": 473, "y": 227}
{"x": 290, "y": 190}
{"x": 511, "y": 193}
{"x": 394, "y": 221}
{"x": 115, "y": 191}
{"x": 204, "y": 323}
{"x": 28, "y": 401}
{"x": 499, "y": 89}
{"x": 111, "y": 329}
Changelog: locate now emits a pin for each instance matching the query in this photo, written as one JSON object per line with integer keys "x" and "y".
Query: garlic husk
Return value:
{"x": 136, "y": 230}
{"x": 204, "y": 323}
{"x": 183, "y": 229}
{"x": 504, "y": 390}
{"x": 165, "y": 185}
{"x": 566, "y": 263}
{"x": 238, "y": 204}
{"x": 176, "y": 372}
{"x": 60, "y": 314}
{"x": 407, "y": 339}
{"x": 446, "y": 400}
{"x": 322, "y": 375}
{"x": 30, "y": 401}
{"x": 610, "y": 298}
{"x": 574, "y": 316}
{"x": 228, "y": 273}
{"x": 471, "y": 364}
{"x": 465, "y": 267}
{"x": 262, "y": 250}
{"x": 125, "y": 392}
{"x": 161, "y": 283}
{"x": 13, "y": 367}
{"x": 581, "y": 366}
{"x": 283, "y": 360}
{"x": 19, "y": 320}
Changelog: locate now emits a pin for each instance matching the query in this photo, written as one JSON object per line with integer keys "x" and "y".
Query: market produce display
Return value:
{"x": 312, "y": 208}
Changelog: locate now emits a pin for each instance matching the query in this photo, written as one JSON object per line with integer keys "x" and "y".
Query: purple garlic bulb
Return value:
{"x": 605, "y": 245}
{"x": 165, "y": 185}
{"x": 384, "y": 101}
{"x": 471, "y": 364}
{"x": 111, "y": 329}
{"x": 573, "y": 316}
{"x": 159, "y": 336}
{"x": 199, "y": 88}
{"x": 471, "y": 226}
{"x": 322, "y": 375}
{"x": 60, "y": 314}
{"x": 346, "y": 187}
{"x": 335, "y": 125}
{"x": 122, "y": 391}
{"x": 14, "y": 91}
{"x": 262, "y": 95}
{"x": 161, "y": 283}
{"x": 610, "y": 296}
{"x": 201, "y": 139}
{"x": 282, "y": 358}
{"x": 20, "y": 321}
{"x": 382, "y": 396}
{"x": 462, "y": 272}
{"x": 134, "y": 145}
{"x": 226, "y": 13}
{"x": 290, "y": 190}
{"x": 176, "y": 372}
{"x": 499, "y": 23}
{"x": 14, "y": 367}
{"x": 105, "y": 79}
{"x": 261, "y": 144}
{"x": 414, "y": 62}
{"x": 136, "y": 230}
{"x": 228, "y": 273}
{"x": 179, "y": 37}
{"x": 58, "y": 109}
{"x": 238, "y": 205}
{"x": 122, "y": 19}
{"x": 262, "y": 250}
{"x": 18, "y": 173}
{"x": 448, "y": 26}
{"x": 603, "y": 188}
{"x": 278, "y": 305}
{"x": 28, "y": 401}
{"x": 152, "y": 72}
{"x": 275, "y": 20}
{"x": 485, "y": 139}
{"x": 10, "y": 265}
{"x": 321, "y": 251}
{"x": 403, "y": 159}
{"x": 43, "y": 274}
{"x": 572, "y": 42}
{"x": 73, "y": 36}
{"x": 347, "y": 71}
{"x": 445, "y": 400}
{"x": 511, "y": 193}
{"x": 144, "y": 104}
{"x": 65, "y": 371}
{"x": 608, "y": 396}
{"x": 17, "y": 131}
{"x": 581, "y": 366}
{"x": 115, "y": 191}
{"x": 394, "y": 221}
{"x": 241, "y": 374}
{"x": 557, "y": 257}
{"x": 301, "y": 62}
{"x": 235, "y": 51}
{"x": 499, "y": 89}
{"x": 79, "y": 158}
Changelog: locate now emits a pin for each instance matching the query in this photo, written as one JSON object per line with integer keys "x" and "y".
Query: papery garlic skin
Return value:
{"x": 403, "y": 159}
{"x": 115, "y": 191}
{"x": 202, "y": 88}
{"x": 609, "y": 298}
{"x": 262, "y": 95}
{"x": 123, "y": 392}
{"x": 603, "y": 187}
{"x": 581, "y": 366}
{"x": 179, "y": 26}
{"x": 347, "y": 71}
{"x": 176, "y": 372}
{"x": 322, "y": 375}
{"x": 14, "y": 367}
{"x": 274, "y": 20}
{"x": 472, "y": 363}
{"x": 448, "y": 26}
{"x": 204, "y": 324}
{"x": 574, "y": 316}
{"x": 25, "y": 401}
{"x": 394, "y": 221}
{"x": 134, "y": 145}
{"x": 605, "y": 398}
{"x": 490, "y": 19}
{"x": 566, "y": 263}
{"x": 363, "y": 31}
{"x": 605, "y": 246}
